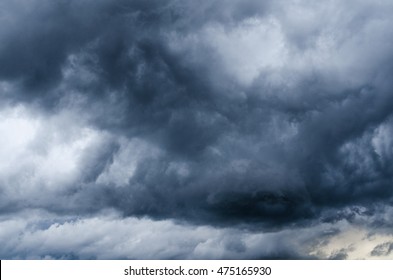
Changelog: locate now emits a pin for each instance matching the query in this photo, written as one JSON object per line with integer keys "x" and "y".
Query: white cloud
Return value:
{"x": 382, "y": 141}
{"x": 248, "y": 48}
{"x": 125, "y": 161}
{"x": 297, "y": 39}
{"x": 42, "y": 154}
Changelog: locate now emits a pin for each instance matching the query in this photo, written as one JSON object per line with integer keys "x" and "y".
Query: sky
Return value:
{"x": 179, "y": 129}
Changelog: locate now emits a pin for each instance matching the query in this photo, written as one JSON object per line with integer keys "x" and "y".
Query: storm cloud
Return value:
{"x": 262, "y": 120}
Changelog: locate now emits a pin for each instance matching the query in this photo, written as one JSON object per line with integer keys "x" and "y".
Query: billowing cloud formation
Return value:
{"x": 232, "y": 117}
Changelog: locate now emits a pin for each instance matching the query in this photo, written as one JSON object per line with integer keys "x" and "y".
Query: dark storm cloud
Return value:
{"x": 292, "y": 141}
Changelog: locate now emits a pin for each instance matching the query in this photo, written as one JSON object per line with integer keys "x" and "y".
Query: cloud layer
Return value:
{"x": 210, "y": 120}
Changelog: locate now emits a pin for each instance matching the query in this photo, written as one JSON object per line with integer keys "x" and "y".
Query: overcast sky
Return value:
{"x": 227, "y": 129}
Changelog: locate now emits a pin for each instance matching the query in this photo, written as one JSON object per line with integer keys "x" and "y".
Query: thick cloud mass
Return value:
{"x": 209, "y": 119}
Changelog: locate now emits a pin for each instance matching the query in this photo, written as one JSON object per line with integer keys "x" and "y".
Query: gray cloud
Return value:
{"x": 233, "y": 114}
{"x": 39, "y": 234}
{"x": 383, "y": 249}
